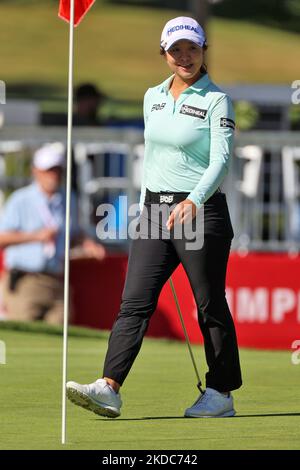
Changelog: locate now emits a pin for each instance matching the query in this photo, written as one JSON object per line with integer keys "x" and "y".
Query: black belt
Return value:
{"x": 167, "y": 197}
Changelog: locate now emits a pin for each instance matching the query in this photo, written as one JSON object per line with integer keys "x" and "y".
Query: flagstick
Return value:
{"x": 67, "y": 234}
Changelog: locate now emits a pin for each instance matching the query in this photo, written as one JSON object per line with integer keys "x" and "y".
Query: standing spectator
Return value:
{"x": 87, "y": 101}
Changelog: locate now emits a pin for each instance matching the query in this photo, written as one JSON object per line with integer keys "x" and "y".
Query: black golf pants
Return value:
{"x": 151, "y": 262}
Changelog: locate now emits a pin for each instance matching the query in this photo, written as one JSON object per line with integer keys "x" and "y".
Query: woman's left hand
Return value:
{"x": 185, "y": 211}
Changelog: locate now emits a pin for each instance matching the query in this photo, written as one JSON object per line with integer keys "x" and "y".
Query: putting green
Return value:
{"x": 160, "y": 386}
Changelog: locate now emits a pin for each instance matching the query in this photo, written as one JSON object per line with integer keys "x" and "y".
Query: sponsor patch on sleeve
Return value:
{"x": 226, "y": 122}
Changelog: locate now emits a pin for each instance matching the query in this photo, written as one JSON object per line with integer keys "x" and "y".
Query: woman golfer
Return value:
{"x": 189, "y": 127}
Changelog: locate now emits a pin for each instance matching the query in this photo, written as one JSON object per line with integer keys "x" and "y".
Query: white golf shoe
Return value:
{"x": 211, "y": 404}
{"x": 98, "y": 397}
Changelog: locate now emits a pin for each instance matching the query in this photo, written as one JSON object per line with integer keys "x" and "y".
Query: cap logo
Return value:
{"x": 183, "y": 26}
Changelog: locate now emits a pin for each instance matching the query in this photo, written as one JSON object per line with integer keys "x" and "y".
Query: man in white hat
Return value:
{"x": 32, "y": 232}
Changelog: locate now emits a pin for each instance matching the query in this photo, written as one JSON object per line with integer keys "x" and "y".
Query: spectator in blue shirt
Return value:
{"x": 32, "y": 233}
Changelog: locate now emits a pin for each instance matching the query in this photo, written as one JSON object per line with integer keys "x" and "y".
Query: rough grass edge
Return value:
{"x": 41, "y": 327}
{"x": 56, "y": 330}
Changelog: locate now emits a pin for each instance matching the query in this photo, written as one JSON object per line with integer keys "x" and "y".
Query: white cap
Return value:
{"x": 49, "y": 156}
{"x": 182, "y": 27}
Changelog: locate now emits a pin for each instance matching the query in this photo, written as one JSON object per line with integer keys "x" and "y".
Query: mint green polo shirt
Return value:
{"x": 188, "y": 142}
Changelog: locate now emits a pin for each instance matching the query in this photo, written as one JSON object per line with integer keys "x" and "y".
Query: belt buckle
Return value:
{"x": 166, "y": 198}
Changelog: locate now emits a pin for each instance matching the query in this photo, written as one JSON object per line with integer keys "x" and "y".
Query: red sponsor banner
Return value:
{"x": 81, "y": 7}
{"x": 263, "y": 292}
{"x": 264, "y": 296}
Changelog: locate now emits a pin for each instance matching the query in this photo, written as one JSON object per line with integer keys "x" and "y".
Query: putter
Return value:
{"x": 199, "y": 384}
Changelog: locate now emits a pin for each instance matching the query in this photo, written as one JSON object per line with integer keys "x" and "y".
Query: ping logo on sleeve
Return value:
{"x": 158, "y": 107}
{"x": 192, "y": 111}
{"x": 226, "y": 122}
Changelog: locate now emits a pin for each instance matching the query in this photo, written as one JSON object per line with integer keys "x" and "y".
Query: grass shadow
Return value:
{"x": 148, "y": 418}
{"x": 261, "y": 415}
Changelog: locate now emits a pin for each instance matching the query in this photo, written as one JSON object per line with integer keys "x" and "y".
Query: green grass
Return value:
{"x": 117, "y": 48}
{"x": 160, "y": 386}
{"x": 243, "y": 52}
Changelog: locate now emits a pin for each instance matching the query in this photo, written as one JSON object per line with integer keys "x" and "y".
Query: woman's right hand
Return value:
{"x": 184, "y": 212}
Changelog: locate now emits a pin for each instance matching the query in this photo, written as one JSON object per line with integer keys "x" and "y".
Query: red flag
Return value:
{"x": 81, "y": 8}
